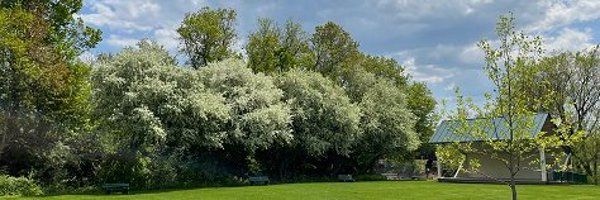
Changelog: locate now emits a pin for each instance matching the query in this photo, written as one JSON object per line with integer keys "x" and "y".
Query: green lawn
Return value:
{"x": 362, "y": 190}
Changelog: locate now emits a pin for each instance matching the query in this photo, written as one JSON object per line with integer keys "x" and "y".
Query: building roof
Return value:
{"x": 445, "y": 132}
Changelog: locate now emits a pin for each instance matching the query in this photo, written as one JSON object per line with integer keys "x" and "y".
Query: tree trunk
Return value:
{"x": 513, "y": 187}
{"x": 595, "y": 172}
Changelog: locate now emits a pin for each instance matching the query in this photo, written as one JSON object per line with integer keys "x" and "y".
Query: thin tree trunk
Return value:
{"x": 513, "y": 188}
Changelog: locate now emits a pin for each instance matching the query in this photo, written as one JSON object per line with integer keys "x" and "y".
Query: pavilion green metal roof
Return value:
{"x": 496, "y": 129}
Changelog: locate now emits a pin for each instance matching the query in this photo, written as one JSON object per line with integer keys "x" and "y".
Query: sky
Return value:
{"x": 435, "y": 40}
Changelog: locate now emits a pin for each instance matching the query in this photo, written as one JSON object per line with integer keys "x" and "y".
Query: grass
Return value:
{"x": 361, "y": 190}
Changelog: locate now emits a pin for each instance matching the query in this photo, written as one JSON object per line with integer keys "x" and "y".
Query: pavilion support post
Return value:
{"x": 438, "y": 163}
{"x": 543, "y": 169}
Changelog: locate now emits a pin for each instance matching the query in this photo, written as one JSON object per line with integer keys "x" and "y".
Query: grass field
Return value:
{"x": 361, "y": 190}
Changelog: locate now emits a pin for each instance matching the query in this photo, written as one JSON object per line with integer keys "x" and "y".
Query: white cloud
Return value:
{"x": 570, "y": 40}
{"x": 143, "y": 18}
{"x": 426, "y": 73}
{"x": 120, "y": 41}
{"x": 167, "y": 37}
{"x": 435, "y": 38}
{"x": 560, "y": 13}
{"x": 409, "y": 9}
{"x": 127, "y": 16}
{"x": 472, "y": 54}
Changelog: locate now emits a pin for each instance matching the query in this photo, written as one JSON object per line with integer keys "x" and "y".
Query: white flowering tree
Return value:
{"x": 143, "y": 99}
{"x": 387, "y": 123}
{"x": 258, "y": 117}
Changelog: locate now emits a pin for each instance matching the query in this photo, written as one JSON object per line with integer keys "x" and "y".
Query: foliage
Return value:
{"x": 207, "y": 35}
{"x": 278, "y": 49}
{"x": 144, "y": 104}
{"x": 21, "y": 186}
{"x": 138, "y": 117}
{"x": 258, "y": 117}
{"x": 44, "y": 91}
{"x": 334, "y": 50}
{"x": 144, "y": 100}
{"x": 324, "y": 119}
{"x": 508, "y": 66}
{"x": 566, "y": 86}
{"x": 386, "y": 122}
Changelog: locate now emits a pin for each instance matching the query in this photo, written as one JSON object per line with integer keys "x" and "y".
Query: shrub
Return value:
{"x": 371, "y": 177}
{"x": 19, "y": 186}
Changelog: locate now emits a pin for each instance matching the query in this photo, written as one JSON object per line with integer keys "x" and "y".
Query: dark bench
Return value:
{"x": 116, "y": 187}
{"x": 345, "y": 178}
{"x": 259, "y": 180}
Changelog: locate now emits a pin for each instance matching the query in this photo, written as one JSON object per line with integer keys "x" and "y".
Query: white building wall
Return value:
{"x": 494, "y": 168}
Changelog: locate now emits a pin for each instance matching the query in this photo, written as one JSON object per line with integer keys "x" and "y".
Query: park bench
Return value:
{"x": 116, "y": 187}
{"x": 391, "y": 176}
{"x": 345, "y": 178}
{"x": 259, "y": 180}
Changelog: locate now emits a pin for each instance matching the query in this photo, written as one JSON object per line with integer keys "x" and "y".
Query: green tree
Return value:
{"x": 387, "y": 68}
{"x": 44, "y": 90}
{"x": 207, "y": 35}
{"x": 334, "y": 49}
{"x": 421, "y": 103}
{"x": 277, "y": 49}
{"x": 573, "y": 93}
{"x": 386, "y": 122}
{"x": 566, "y": 86}
{"x": 515, "y": 58}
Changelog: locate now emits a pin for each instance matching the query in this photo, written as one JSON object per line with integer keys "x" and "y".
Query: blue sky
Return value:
{"x": 434, "y": 39}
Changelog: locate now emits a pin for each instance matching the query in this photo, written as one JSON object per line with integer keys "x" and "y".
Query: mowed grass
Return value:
{"x": 361, "y": 190}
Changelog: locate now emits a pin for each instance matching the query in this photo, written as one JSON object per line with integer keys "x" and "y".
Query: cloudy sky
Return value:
{"x": 434, "y": 39}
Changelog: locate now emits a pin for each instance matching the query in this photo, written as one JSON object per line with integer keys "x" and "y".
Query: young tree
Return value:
{"x": 207, "y": 35}
{"x": 508, "y": 111}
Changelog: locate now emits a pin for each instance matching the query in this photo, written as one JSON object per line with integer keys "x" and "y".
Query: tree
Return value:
{"x": 263, "y": 47}
{"x": 144, "y": 100}
{"x": 386, "y": 122}
{"x": 258, "y": 118}
{"x": 277, "y": 49}
{"x": 387, "y": 68}
{"x": 514, "y": 59}
{"x": 334, "y": 50}
{"x": 325, "y": 123}
{"x": 44, "y": 90}
{"x": 565, "y": 85}
{"x": 146, "y": 107}
{"x": 207, "y": 35}
{"x": 422, "y": 104}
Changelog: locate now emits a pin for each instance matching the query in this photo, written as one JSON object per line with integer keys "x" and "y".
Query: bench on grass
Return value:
{"x": 259, "y": 180}
{"x": 116, "y": 187}
{"x": 345, "y": 178}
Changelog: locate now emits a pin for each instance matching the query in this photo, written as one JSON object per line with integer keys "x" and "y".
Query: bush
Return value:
{"x": 371, "y": 177}
{"x": 19, "y": 186}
